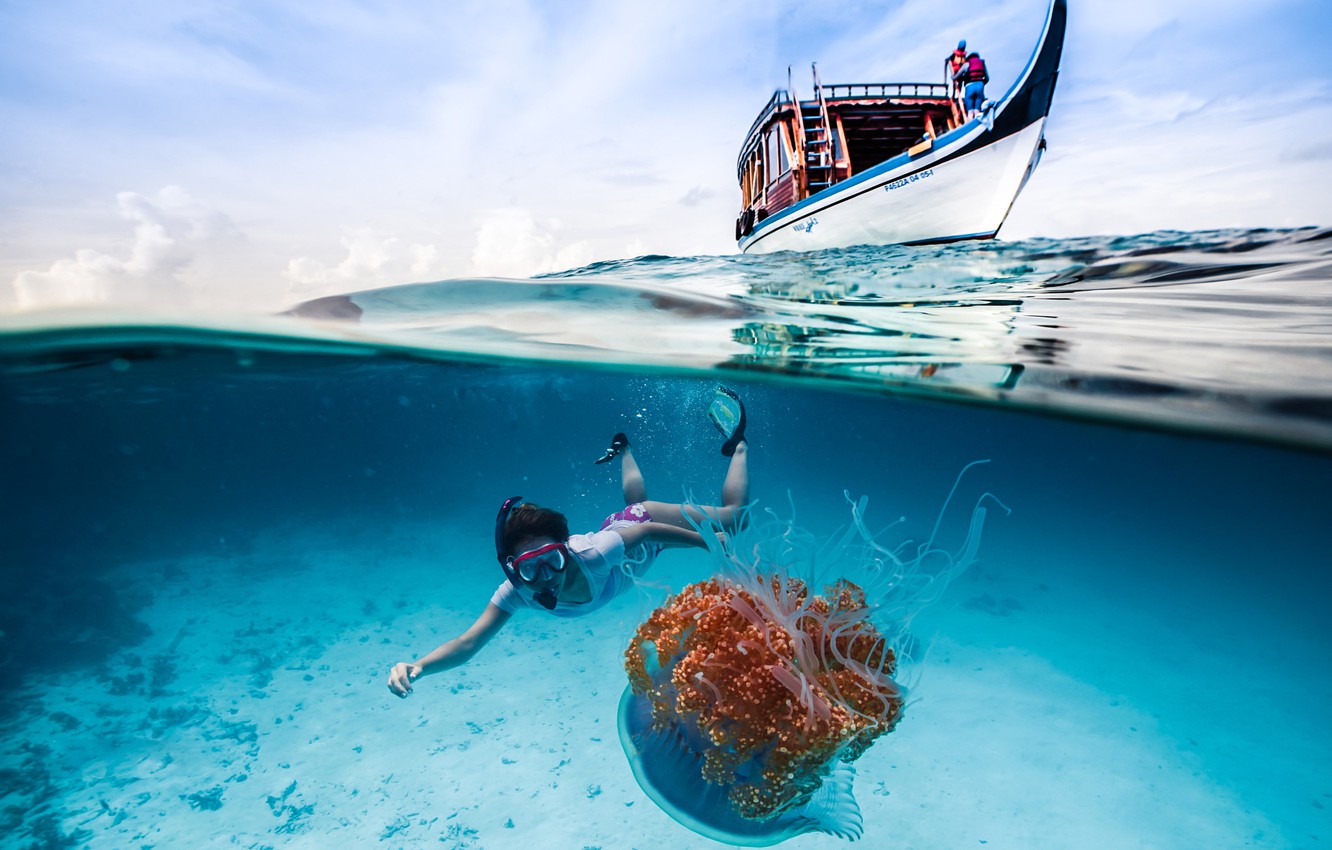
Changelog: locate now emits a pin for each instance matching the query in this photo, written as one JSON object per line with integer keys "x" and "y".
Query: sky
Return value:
{"x": 241, "y": 155}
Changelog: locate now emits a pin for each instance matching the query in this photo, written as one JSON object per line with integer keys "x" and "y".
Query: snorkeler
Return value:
{"x": 571, "y": 576}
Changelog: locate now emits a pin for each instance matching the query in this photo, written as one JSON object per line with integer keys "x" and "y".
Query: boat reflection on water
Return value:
{"x": 1162, "y": 335}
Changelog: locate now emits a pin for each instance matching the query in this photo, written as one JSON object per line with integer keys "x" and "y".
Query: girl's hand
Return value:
{"x": 401, "y": 677}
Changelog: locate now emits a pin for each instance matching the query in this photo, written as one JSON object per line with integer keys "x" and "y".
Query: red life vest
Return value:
{"x": 976, "y": 72}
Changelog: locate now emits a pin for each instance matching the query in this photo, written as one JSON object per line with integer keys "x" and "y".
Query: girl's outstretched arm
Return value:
{"x": 451, "y": 654}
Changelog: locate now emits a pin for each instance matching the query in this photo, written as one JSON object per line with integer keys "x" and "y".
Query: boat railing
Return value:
{"x": 819, "y": 154}
{"x": 852, "y": 90}
{"x": 798, "y": 131}
{"x": 780, "y": 99}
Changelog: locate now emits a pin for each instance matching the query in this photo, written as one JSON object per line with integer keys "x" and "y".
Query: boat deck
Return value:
{"x": 877, "y": 130}
{"x": 796, "y": 148}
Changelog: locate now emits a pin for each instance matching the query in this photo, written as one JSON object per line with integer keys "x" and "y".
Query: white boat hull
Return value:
{"x": 961, "y": 188}
{"x": 930, "y": 199}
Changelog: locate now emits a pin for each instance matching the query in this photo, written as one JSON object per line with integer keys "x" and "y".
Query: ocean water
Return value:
{"x": 219, "y": 532}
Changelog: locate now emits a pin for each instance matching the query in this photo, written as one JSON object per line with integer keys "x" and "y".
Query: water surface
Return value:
{"x": 220, "y": 532}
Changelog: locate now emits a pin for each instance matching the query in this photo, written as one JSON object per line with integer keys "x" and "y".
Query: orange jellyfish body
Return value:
{"x": 773, "y": 684}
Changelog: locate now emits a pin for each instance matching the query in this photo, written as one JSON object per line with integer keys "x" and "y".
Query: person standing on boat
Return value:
{"x": 549, "y": 570}
{"x": 974, "y": 76}
{"x": 952, "y": 64}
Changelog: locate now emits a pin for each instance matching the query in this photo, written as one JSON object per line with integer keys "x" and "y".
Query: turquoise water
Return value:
{"x": 220, "y": 532}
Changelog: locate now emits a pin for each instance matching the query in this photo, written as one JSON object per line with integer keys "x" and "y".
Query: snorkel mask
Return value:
{"x": 540, "y": 569}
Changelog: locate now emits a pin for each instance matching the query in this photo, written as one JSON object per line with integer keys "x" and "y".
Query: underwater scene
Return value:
{"x": 1034, "y": 555}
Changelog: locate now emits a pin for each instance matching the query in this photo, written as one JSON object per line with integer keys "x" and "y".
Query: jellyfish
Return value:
{"x": 751, "y": 694}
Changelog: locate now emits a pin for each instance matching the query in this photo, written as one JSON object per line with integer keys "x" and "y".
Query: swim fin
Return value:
{"x": 618, "y": 444}
{"x": 728, "y": 414}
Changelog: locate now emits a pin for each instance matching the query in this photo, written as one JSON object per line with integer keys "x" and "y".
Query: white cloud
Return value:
{"x": 171, "y": 231}
{"x": 511, "y": 243}
{"x": 372, "y": 260}
{"x": 697, "y": 195}
{"x": 1135, "y": 18}
{"x": 1160, "y": 107}
{"x": 1206, "y": 168}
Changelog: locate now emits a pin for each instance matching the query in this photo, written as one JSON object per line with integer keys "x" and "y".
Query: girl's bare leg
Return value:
{"x": 735, "y": 495}
{"x": 735, "y": 488}
{"x": 631, "y": 479}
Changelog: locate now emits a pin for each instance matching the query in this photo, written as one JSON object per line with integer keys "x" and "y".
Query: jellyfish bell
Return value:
{"x": 750, "y": 694}
{"x": 668, "y": 768}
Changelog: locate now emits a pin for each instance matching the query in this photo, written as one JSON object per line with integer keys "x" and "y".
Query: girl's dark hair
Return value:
{"x": 528, "y": 521}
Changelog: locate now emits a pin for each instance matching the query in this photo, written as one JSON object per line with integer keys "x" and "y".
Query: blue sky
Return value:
{"x": 244, "y": 153}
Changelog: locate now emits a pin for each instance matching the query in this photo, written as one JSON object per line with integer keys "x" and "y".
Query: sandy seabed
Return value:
{"x": 256, "y": 715}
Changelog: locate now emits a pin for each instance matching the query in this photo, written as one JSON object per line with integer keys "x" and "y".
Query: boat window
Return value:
{"x": 775, "y": 153}
{"x": 752, "y": 181}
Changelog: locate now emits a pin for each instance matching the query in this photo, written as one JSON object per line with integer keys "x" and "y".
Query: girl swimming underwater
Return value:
{"x": 549, "y": 570}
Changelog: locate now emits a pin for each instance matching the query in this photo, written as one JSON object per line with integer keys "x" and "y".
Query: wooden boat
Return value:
{"x": 892, "y": 163}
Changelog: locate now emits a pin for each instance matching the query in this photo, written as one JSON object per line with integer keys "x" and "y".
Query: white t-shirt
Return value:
{"x": 601, "y": 556}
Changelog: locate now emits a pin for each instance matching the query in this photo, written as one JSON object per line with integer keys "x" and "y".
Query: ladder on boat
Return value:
{"x": 818, "y": 138}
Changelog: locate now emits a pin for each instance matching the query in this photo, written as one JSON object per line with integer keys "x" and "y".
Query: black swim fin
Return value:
{"x": 618, "y": 444}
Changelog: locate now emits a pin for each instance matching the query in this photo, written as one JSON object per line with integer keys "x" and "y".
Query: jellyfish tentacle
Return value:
{"x": 948, "y": 500}
{"x": 716, "y": 694}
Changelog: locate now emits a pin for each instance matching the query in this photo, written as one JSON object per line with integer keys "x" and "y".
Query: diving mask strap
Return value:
{"x": 500, "y": 521}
